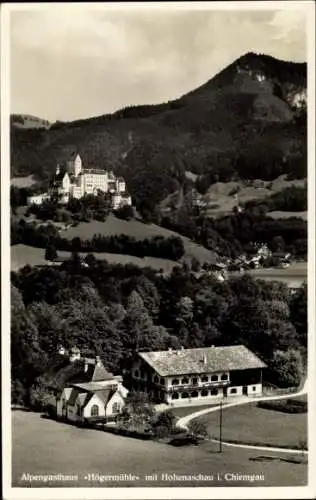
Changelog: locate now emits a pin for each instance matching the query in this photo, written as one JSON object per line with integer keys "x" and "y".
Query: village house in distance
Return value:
{"x": 73, "y": 181}
{"x": 187, "y": 375}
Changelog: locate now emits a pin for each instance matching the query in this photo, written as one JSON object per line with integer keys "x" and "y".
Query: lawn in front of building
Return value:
{"x": 183, "y": 411}
{"x": 250, "y": 424}
{"x": 43, "y": 446}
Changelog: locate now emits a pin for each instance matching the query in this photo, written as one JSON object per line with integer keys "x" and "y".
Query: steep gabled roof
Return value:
{"x": 63, "y": 372}
{"x": 83, "y": 397}
{"x": 73, "y": 397}
{"x": 95, "y": 386}
{"x": 100, "y": 373}
{"x": 105, "y": 395}
{"x": 73, "y": 155}
{"x": 202, "y": 360}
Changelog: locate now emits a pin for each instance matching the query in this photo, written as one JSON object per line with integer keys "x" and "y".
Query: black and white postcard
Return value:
{"x": 158, "y": 250}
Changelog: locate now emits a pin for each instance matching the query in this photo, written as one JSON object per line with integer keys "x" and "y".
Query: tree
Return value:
{"x": 277, "y": 244}
{"x": 51, "y": 253}
{"x": 298, "y": 309}
{"x": 138, "y": 411}
{"x": 165, "y": 424}
{"x": 289, "y": 367}
{"x": 195, "y": 265}
{"x": 126, "y": 212}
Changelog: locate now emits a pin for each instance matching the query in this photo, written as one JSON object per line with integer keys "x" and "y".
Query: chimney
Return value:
{"x": 61, "y": 350}
{"x": 74, "y": 354}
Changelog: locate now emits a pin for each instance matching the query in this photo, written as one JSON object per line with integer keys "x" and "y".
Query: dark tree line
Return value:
{"x": 291, "y": 199}
{"x": 47, "y": 236}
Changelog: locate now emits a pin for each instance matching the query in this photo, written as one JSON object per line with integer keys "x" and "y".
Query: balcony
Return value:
{"x": 199, "y": 385}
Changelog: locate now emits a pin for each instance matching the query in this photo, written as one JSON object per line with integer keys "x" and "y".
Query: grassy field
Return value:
{"x": 296, "y": 269}
{"x": 21, "y": 255}
{"x": 23, "y": 182}
{"x": 42, "y": 446}
{"x": 183, "y": 411}
{"x": 293, "y": 276}
{"x": 114, "y": 226}
{"x": 220, "y": 197}
{"x": 252, "y": 425}
{"x": 287, "y": 215}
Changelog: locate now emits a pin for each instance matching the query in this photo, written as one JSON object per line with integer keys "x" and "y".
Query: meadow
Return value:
{"x": 115, "y": 226}
{"x": 249, "y": 424}
{"x": 22, "y": 255}
{"x": 23, "y": 182}
{"x": 43, "y": 446}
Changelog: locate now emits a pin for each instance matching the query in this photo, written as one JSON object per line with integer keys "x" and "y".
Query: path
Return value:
{"x": 262, "y": 448}
{"x": 184, "y": 421}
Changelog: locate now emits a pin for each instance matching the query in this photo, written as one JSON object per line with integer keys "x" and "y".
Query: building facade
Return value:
{"x": 74, "y": 181}
{"x": 37, "y": 199}
{"x": 186, "y": 375}
{"x": 90, "y": 393}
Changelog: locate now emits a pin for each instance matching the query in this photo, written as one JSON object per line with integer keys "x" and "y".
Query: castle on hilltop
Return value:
{"x": 74, "y": 181}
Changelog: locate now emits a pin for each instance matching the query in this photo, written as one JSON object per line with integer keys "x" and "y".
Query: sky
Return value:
{"x": 71, "y": 62}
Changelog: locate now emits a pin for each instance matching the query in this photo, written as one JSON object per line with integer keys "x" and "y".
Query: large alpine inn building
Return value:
{"x": 186, "y": 375}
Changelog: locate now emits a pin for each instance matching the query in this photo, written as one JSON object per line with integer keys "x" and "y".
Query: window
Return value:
{"x": 194, "y": 381}
{"x": 194, "y": 394}
{"x": 214, "y": 392}
{"x": 224, "y": 376}
{"x": 156, "y": 378}
{"x": 175, "y": 381}
{"x": 116, "y": 408}
{"x": 185, "y": 380}
{"x": 94, "y": 411}
{"x": 142, "y": 375}
{"x": 136, "y": 373}
{"x": 214, "y": 378}
{"x": 184, "y": 395}
{"x": 204, "y": 392}
{"x": 175, "y": 395}
{"x": 162, "y": 380}
{"x": 254, "y": 387}
{"x": 204, "y": 378}
{"x": 233, "y": 390}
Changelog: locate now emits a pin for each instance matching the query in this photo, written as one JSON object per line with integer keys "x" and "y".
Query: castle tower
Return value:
{"x": 74, "y": 165}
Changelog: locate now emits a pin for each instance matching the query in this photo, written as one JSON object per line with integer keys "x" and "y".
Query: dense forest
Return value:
{"x": 115, "y": 310}
{"x": 235, "y": 234}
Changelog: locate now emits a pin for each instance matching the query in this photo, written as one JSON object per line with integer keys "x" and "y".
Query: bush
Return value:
{"x": 198, "y": 429}
{"x": 126, "y": 212}
{"x": 285, "y": 405}
{"x": 184, "y": 440}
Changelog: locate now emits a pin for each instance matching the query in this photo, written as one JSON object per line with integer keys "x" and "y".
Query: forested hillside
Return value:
{"x": 249, "y": 121}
